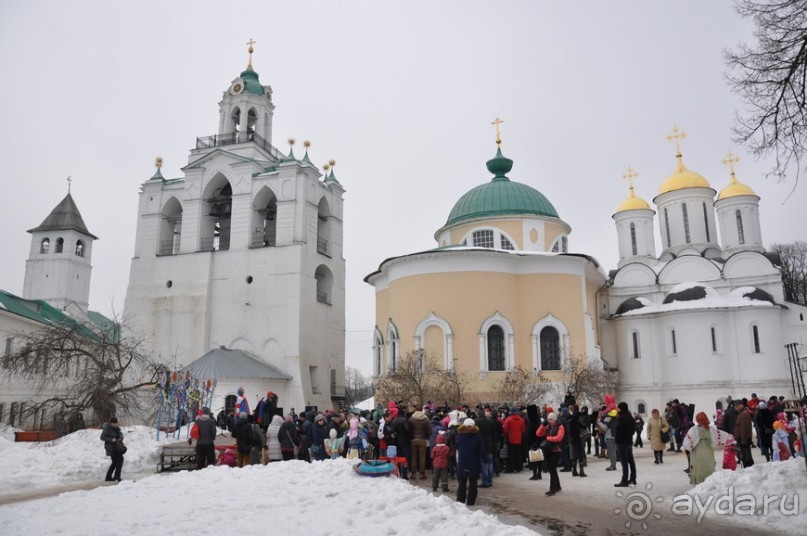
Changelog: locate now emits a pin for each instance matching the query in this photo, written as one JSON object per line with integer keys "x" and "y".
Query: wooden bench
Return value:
{"x": 177, "y": 458}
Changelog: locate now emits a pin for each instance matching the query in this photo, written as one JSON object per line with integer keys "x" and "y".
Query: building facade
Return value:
{"x": 244, "y": 252}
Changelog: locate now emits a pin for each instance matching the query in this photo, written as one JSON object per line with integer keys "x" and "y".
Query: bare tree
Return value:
{"x": 520, "y": 385}
{"x": 359, "y": 387}
{"x": 451, "y": 386}
{"x": 793, "y": 258}
{"x": 589, "y": 381}
{"x": 80, "y": 368}
{"x": 771, "y": 77}
{"x": 418, "y": 379}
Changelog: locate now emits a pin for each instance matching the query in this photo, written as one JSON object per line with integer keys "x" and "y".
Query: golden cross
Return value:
{"x": 498, "y": 122}
{"x": 292, "y": 141}
{"x": 332, "y": 162}
{"x": 676, "y": 137}
{"x": 250, "y": 50}
{"x": 629, "y": 175}
{"x": 159, "y": 162}
{"x": 69, "y": 180}
{"x": 730, "y": 160}
{"x": 306, "y": 144}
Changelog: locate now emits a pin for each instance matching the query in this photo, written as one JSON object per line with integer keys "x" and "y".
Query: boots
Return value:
{"x": 574, "y": 469}
{"x": 582, "y": 472}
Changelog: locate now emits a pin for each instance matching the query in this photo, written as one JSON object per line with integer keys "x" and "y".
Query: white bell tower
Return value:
{"x": 634, "y": 226}
{"x": 738, "y": 213}
{"x": 59, "y": 266}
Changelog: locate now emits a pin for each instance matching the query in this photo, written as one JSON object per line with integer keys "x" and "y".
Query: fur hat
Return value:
{"x": 468, "y": 422}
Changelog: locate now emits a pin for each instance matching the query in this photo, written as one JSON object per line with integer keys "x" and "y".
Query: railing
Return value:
{"x": 262, "y": 240}
{"x": 322, "y": 245}
{"x": 214, "y": 243}
{"x": 219, "y": 140}
{"x": 168, "y": 247}
{"x": 338, "y": 391}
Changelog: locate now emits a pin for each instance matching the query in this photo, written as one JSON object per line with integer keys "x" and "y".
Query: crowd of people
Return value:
{"x": 466, "y": 444}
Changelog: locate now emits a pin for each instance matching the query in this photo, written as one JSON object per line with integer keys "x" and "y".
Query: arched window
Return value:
{"x": 216, "y": 223}
{"x": 506, "y": 244}
{"x": 323, "y": 227}
{"x": 59, "y": 245}
{"x": 495, "y": 348}
{"x": 740, "y": 231}
{"x": 706, "y": 222}
{"x": 641, "y": 408}
{"x": 393, "y": 348}
{"x": 564, "y": 244}
{"x": 714, "y": 340}
{"x": 264, "y": 219}
{"x": 433, "y": 334}
{"x": 755, "y": 337}
{"x": 236, "y": 119}
{"x": 170, "y": 227}
{"x": 550, "y": 349}
{"x": 686, "y": 223}
{"x": 252, "y": 118}
{"x": 324, "y": 279}
{"x": 483, "y": 239}
{"x": 44, "y": 246}
{"x": 667, "y": 227}
{"x": 556, "y": 247}
{"x": 378, "y": 346}
{"x": 79, "y": 248}
{"x": 633, "y": 247}
{"x": 634, "y": 339}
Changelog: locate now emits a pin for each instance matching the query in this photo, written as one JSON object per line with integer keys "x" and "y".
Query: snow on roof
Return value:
{"x": 741, "y": 297}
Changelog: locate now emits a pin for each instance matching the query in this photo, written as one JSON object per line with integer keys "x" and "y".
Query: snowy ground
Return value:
{"x": 328, "y": 498}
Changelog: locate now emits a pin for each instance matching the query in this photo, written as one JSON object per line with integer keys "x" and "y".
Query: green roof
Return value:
{"x": 251, "y": 82}
{"x": 500, "y": 197}
{"x": 92, "y": 326}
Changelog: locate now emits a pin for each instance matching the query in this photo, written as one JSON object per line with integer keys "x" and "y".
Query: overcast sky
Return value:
{"x": 401, "y": 94}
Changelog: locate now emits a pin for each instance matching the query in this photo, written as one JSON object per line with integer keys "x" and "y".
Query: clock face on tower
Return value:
{"x": 237, "y": 87}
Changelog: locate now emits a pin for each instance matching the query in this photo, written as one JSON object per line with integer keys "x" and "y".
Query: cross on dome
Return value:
{"x": 629, "y": 176}
{"x": 730, "y": 160}
{"x": 69, "y": 180}
{"x": 250, "y": 50}
{"x": 496, "y": 122}
{"x": 677, "y": 136}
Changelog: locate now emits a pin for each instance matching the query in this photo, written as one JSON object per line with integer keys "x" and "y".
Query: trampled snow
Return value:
{"x": 280, "y": 498}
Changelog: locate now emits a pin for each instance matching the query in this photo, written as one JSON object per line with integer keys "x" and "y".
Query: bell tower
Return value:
{"x": 246, "y": 108}
{"x": 59, "y": 264}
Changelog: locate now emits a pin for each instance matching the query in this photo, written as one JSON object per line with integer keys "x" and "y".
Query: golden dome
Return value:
{"x": 735, "y": 187}
{"x": 683, "y": 178}
{"x": 633, "y": 203}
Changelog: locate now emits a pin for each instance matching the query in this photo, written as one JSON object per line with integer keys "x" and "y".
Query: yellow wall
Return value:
{"x": 466, "y": 299}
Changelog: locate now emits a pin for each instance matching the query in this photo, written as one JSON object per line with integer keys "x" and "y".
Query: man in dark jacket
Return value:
{"x": 245, "y": 439}
{"x": 625, "y": 428}
{"x": 319, "y": 433}
{"x": 470, "y": 453}
{"x": 743, "y": 434}
{"x": 421, "y": 428}
{"x": 730, "y": 418}
{"x": 206, "y": 429}
{"x": 304, "y": 428}
{"x": 402, "y": 434}
{"x": 112, "y": 436}
{"x": 486, "y": 431}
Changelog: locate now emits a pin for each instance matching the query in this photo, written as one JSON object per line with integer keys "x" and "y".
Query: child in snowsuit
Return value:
{"x": 440, "y": 455}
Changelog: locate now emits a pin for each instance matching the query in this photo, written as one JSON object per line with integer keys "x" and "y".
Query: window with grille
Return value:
{"x": 550, "y": 349}
{"x": 495, "y": 348}
{"x": 483, "y": 239}
{"x": 667, "y": 227}
{"x": 706, "y": 222}
{"x": 564, "y": 244}
{"x": 740, "y": 231}
{"x": 686, "y": 223}
{"x": 506, "y": 244}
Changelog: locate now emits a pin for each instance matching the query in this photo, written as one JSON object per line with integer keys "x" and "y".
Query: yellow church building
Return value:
{"x": 500, "y": 290}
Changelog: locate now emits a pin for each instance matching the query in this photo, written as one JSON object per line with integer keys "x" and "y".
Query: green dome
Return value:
{"x": 251, "y": 82}
{"x": 500, "y": 197}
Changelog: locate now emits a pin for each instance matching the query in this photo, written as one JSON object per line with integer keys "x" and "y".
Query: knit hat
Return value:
{"x": 441, "y": 439}
{"x": 762, "y": 405}
{"x": 552, "y": 417}
{"x": 468, "y": 422}
{"x": 319, "y": 417}
{"x": 240, "y": 391}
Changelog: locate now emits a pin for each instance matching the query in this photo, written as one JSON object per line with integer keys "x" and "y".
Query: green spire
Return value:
{"x": 306, "y": 144}
{"x": 158, "y": 174}
{"x": 291, "y": 157}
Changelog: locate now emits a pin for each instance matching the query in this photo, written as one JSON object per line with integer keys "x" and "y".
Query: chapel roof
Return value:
{"x": 65, "y": 216}
{"x": 226, "y": 363}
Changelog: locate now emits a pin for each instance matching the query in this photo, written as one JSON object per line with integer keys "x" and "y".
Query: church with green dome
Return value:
{"x": 533, "y": 306}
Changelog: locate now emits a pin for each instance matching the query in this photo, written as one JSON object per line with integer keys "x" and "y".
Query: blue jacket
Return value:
{"x": 470, "y": 451}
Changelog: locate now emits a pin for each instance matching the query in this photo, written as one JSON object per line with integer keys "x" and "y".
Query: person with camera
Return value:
{"x": 112, "y": 436}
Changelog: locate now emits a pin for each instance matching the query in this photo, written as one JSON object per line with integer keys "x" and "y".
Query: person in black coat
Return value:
{"x": 623, "y": 437}
{"x": 487, "y": 430}
{"x": 470, "y": 454}
{"x": 288, "y": 438}
{"x": 764, "y": 420}
{"x": 533, "y": 422}
{"x": 112, "y": 436}
{"x": 399, "y": 431}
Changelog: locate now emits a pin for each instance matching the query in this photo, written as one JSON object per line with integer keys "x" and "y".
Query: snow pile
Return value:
{"x": 322, "y": 498}
{"x": 712, "y": 300}
{"x": 73, "y": 458}
{"x": 781, "y": 483}
{"x": 6, "y": 434}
